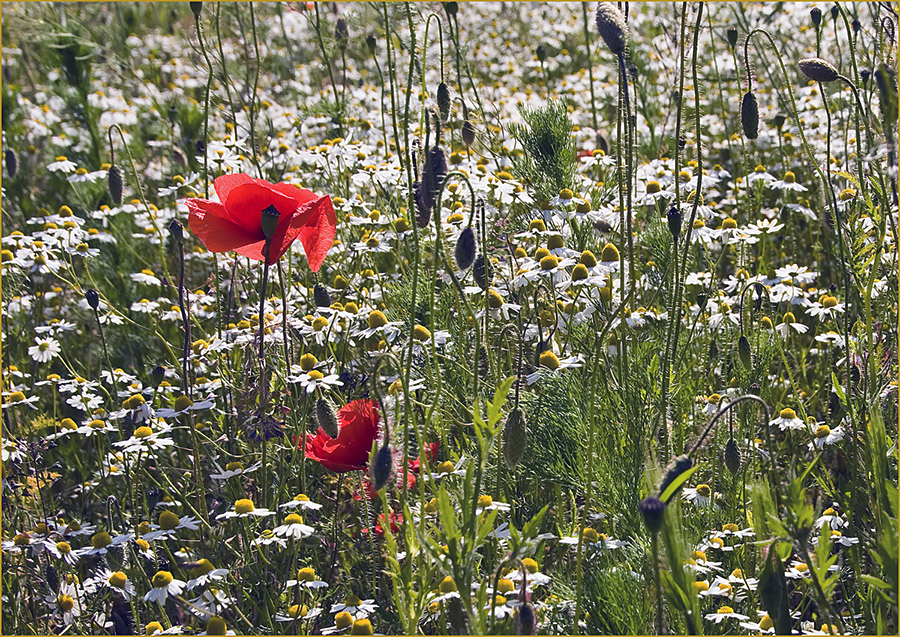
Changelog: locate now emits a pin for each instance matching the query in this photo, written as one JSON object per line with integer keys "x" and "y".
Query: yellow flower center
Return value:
{"x": 307, "y": 362}
{"x": 549, "y": 262}
{"x": 143, "y": 432}
{"x": 729, "y": 223}
{"x": 725, "y": 610}
{"x": 216, "y": 626}
{"x": 448, "y": 585}
{"x": 315, "y": 374}
{"x": 65, "y": 603}
{"x": 118, "y": 579}
{"x": 202, "y": 567}
{"x": 555, "y": 242}
{"x": 790, "y": 177}
{"x": 653, "y": 187}
{"x": 485, "y": 501}
{"x": 537, "y": 225}
{"x": 788, "y": 413}
{"x": 505, "y": 586}
{"x": 766, "y": 623}
{"x": 829, "y": 302}
{"x": 530, "y": 565}
{"x": 823, "y": 431}
{"x": 234, "y": 466}
{"x": 168, "y": 520}
{"x": 162, "y": 579}
{"x": 153, "y": 628}
{"x": 704, "y": 490}
{"x": 319, "y": 323}
{"x": 495, "y": 301}
{"x": 306, "y": 574}
{"x": 293, "y": 518}
{"x": 733, "y": 528}
{"x": 609, "y": 254}
{"x": 182, "y": 403}
{"x": 362, "y": 627}
{"x": 421, "y": 333}
{"x": 101, "y": 540}
{"x": 244, "y": 505}
{"x": 590, "y": 534}
{"x": 377, "y": 319}
{"x": 64, "y": 548}
{"x": 549, "y": 360}
{"x": 588, "y": 259}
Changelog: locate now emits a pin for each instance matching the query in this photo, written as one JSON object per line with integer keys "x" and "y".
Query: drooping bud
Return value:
{"x": 732, "y": 456}
{"x": 483, "y": 271}
{"x": 12, "y": 162}
{"x": 196, "y": 8}
{"x": 815, "y": 14}
{"x": 326, "y": 418}
{"x": 93, "y": 298}
{"x": 371, "y": 42}
{"x": 612, "y": 27}
{"x": 468, "y": 133}
{"x": 268, "y": 220}
{"x": 382, "y": 466}
{"x": 744, "y": 352}
{"x": 750, "y": 115}
{"x": 515, "y": 437}
{"x": 732, "y": 34}
{"x": 653, "y": 511}
{"x": 443, "y": 101}
{"x": 321, "y": 296}
{"x": 540, "y": 52}
{"x": 176, "y": 230}
{"x": 673, "y": 217}
{"x": 818, "y": 70}
{"x": 525, "y": 619}
{"x": 678, "y": 466}
{"x": 465, "y": 248}
{"x": 114, "y": 181}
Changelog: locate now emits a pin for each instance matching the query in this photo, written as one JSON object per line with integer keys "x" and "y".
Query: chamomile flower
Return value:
{"x": 824, "y": 435}
{"x": 244, "y": 508}
{"x": 358, "y": 608}
{"x": 307, "y": 578}
{"x": 787, "y": 419}
{"x": 487, "y": 503}
{"x": 701, "y": 495}
{"x": 44, "y": 349}
{"x": 302, "y": 501}
{"x": 293, "y": 527}
{"x": 164, "y": 584}
{"x": 232, "y": 469}
{"x": 169, "y": 523}
{"x": 725, "y": 612}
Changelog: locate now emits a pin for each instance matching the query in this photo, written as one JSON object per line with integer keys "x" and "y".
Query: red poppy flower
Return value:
{"x": 357, "y": 429}
{"x": 395, "y": 520}
{"x": 431, "y": 449}
{"x": 234, "y": 224}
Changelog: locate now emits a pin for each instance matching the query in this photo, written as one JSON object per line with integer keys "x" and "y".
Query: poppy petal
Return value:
{"x": 318, "y": 231}
{"x": 209, "y": 221}
{"x": 226, "y": 183}
{"x": 246, "y": 202}
{"x": 300, "y": 195}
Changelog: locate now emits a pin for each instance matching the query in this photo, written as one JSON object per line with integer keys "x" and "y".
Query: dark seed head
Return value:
{"x": 114, "y": 181}
{"x": 321, "y": 296}
{"x": 451, "y": 8}
{"x": 732, "y": 34}
{"x": 612, "y": 27}
{"x": 673, "y": 217}
{"x": 93, "y": 298}
{"x": 196, "y": 8}
{"x": 341, "y": 33}
{"x": 818, "y": 70}
{"x": 541, "y": 53}
{"x": 653, "y": 511}
{"x": 176, "y": 230}
{"x": 815, "y": 14}
{"x": 12, "y": 162}
{"x": 371, "y": 42}
{"x": 268, "y": 220}
{"x": 465, "y": 248}
{"x": 835, "y": 12}
{"x": 750, "y": 115}
{"x": 702, "y": 300}
{"x": 732, "y": 456}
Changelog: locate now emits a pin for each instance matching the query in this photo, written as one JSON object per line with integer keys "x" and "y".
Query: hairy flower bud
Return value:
{"x": 114, "y": 181}
{"x": 176, "y": 230}
{"x": 483, "y": 271}
{"x": 158, "y": 375}
{"x": 93, "y": 298}
{"x": 750, "y": 115}
{"x": 12, "y": 162}
{"x": 515, "y": 437}
{"x": 815, "y": 14}
{"x": 744, "y": 352}
{"x": 321, "y": 296}
{"x": 818, "y": 70}
{"x": 612, "y": 27}
{"x": 382, "y": 466}
{"x": 443, "y": 101}
{"x": 732, "y": 34}
{"x": 732, "y": 456}
{"x": 653, "y": 511}
{"x": 326, "y": 418}
{"x": 196, "y": 8}
{"x": 468, "y": 133}
{"x": 673, "y": 217}
{"x": 465, "y": 248}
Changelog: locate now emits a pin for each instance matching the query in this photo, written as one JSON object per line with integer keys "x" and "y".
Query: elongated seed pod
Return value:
{"x": 744, "y": 352}
{"x": 750, "y": 115}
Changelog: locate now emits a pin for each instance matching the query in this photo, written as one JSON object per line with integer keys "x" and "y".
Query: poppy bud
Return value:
{"x": 465, "y": 248}
{"x": 269, "y": 221}
{"x": 468, "y": 133}
{"x": 93, "y": 298}
{"x": 451, "y": 8}
{"x": 778, "y": 121}
{"x": 673, "y": 217}
{"x": 172, "y": 114}
{"x": 744, "y": 352}
{"x": 541, "y": 53}
{"x": 732, "y": 456}
{"x": 326, "y": 418}
{"x": 653, "y": 510}
{"x": 857, "y": 25}
{"x": 176, "y": 229}
{"x": 887, "y": 91}
{"x": 750, "y": 115}
{"x": 52, "y": 577}
{"x": 678, "y": 466}
{"x": 815, "y": 14}
{"x": 753, "y": 389}
{"x": 423, "y": 205}
{"x": 443, "y": 100}
{"x": 196, "y": 8}
{"x": 371, "y": 43}
{"x": 818, "y": 70}
{"x": 12, "y": 162}
{"x": 732, "y": 34}
{"x": 770, "y": 586}
{"x": 382, "y": 465}
{"x": 341, "y": 34}
{"x": 515, "y": 437}
{"x": 834, "y": 12}
{"x": 525, "y": 619}
{"x": 612, "y": 27}
{"x": 865, "y": 75}
{"x": 321, "y": 296}
{"x": 483, "y": 271}
{"x": 158, "y": 375}
{"x": 114, "y": 181}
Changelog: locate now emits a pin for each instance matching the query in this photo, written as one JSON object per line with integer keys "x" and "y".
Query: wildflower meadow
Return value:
{"x": 449, "y": 318}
